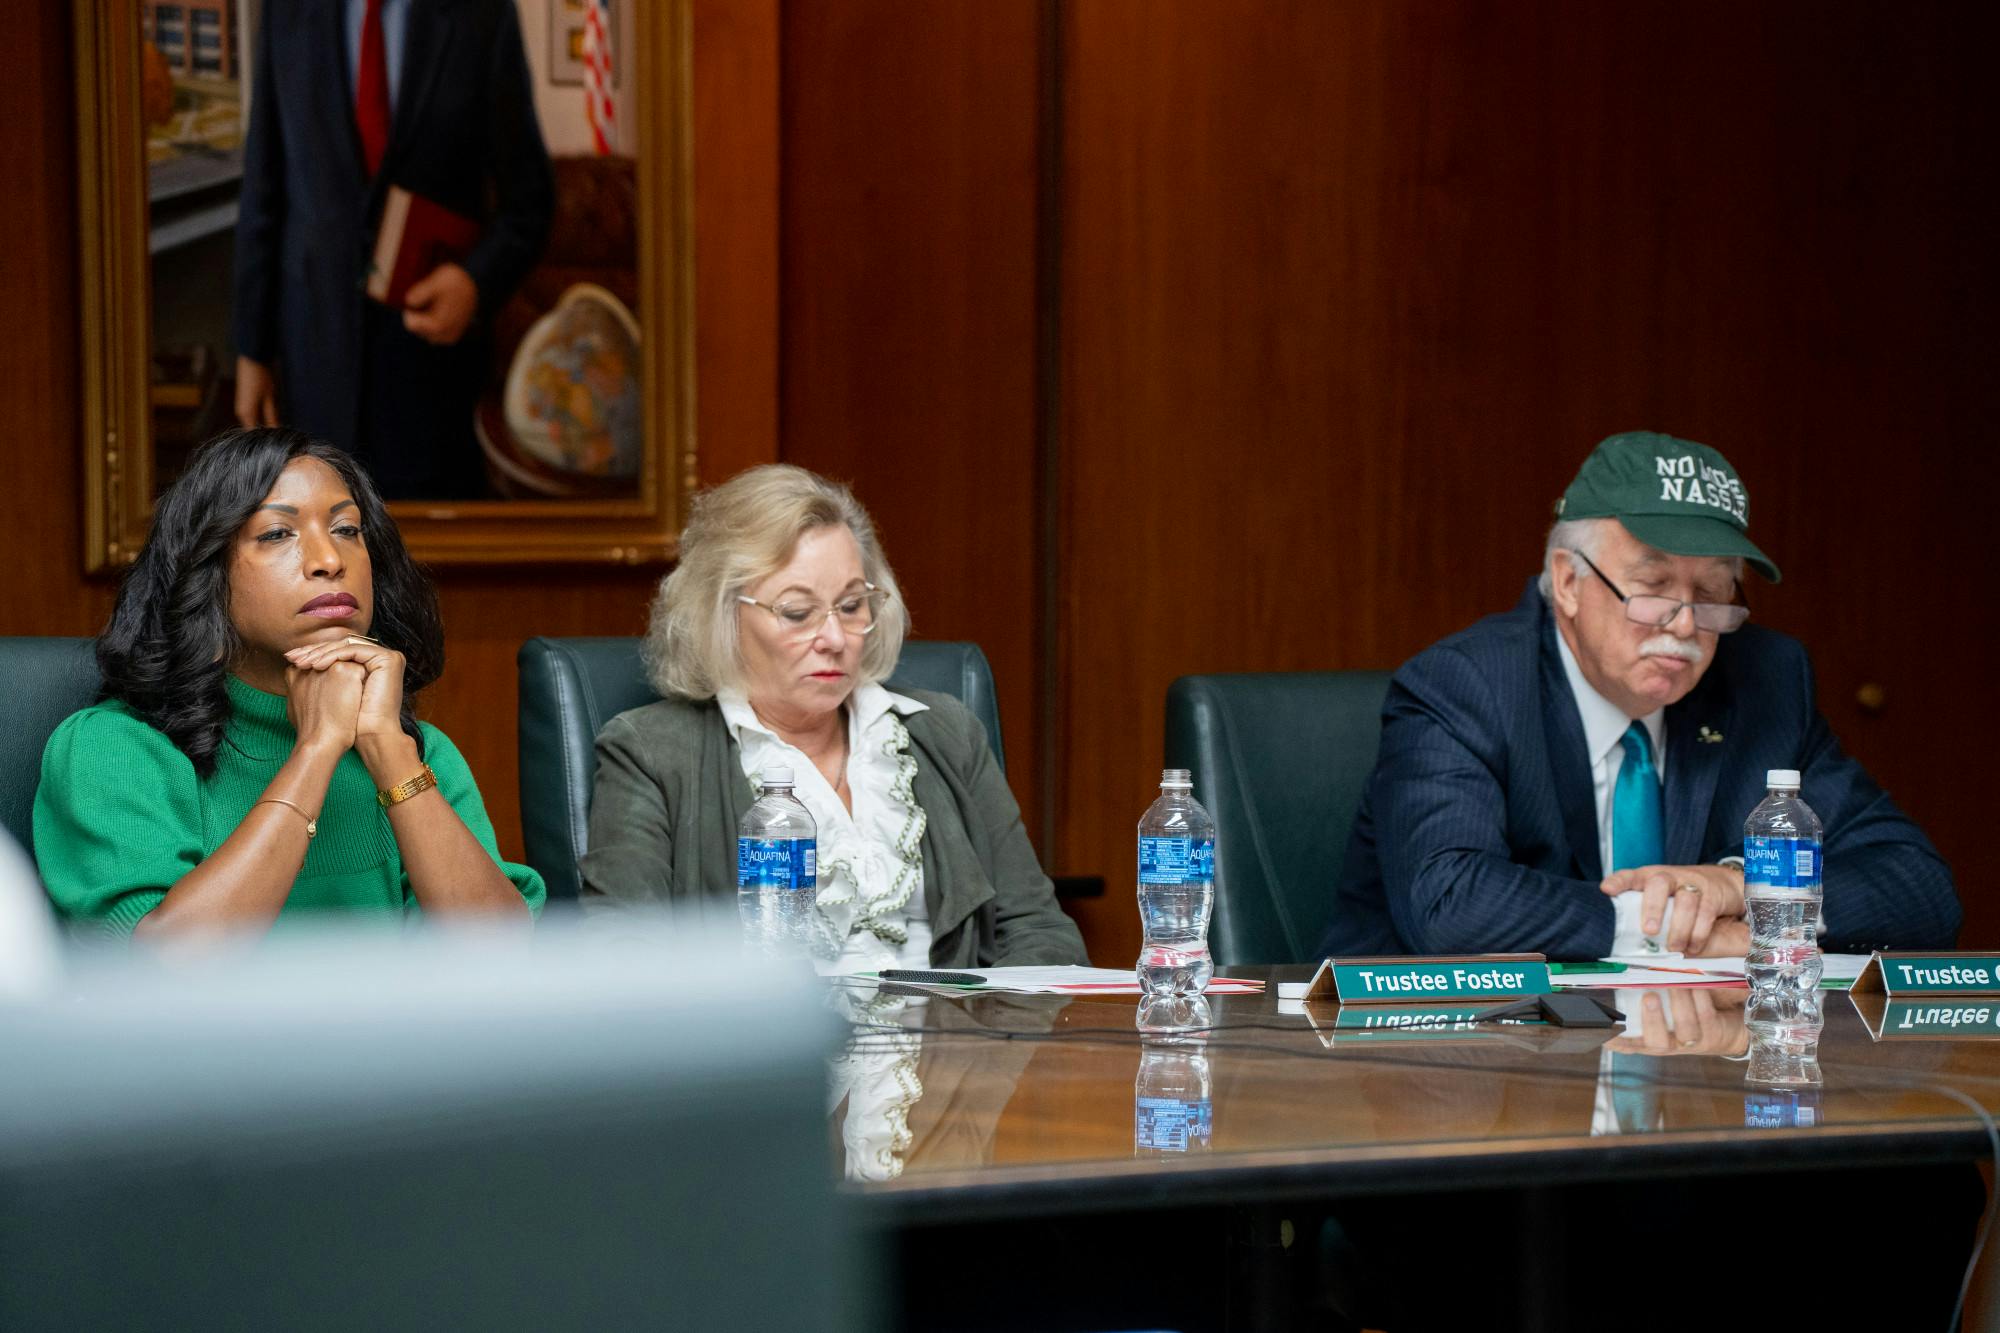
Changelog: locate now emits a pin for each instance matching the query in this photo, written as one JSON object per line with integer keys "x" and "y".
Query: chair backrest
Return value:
{"x": 571, "y": 687}
{"x": 47, "y": 680}
{"x": 1280, "y": 760}
{"x": 374, "y": 1132}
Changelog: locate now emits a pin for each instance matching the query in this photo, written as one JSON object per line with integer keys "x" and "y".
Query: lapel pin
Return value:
{"x": 1708, "y": 736}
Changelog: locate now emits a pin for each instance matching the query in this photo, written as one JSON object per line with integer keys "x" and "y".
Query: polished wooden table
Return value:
{"x": 1026, "y": 1107}
{"x": 1027, "y": 1103}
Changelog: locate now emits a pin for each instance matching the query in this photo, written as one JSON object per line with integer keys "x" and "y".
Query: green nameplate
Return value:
{"x": 1489, "y": 977}
{"x": 1902, "y": 975}
{"x": 1943, "y": 1019}
{"x": 1356, "y": 1025}
{"x": 1444, "y": 1023}
{"x": 1414, "y": 1022}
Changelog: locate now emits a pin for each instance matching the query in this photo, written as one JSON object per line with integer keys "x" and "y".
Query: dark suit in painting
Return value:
{"x": 1478, "y": 832}
{"x": 463, "y": 134}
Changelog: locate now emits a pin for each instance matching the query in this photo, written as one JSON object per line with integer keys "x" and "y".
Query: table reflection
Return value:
{"x": 875, "y": 1074}
{"x": 1637, "y": 1073}
{"x": 1173, "y": 1110}
{"x": 923, "y": 1079}
{"x": 1782, "y": 1084}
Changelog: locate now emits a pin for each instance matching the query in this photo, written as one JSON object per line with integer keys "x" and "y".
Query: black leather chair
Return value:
{"x": 571, "y": 687}
{"x": 47, "y": 680}
{"x": 1280, "y": 760}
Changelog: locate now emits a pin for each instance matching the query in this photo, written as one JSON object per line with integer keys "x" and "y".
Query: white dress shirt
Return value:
{"x": 395, "y": 21}
{"x": 1604, "y": 726}
{"x": 876, "y": 1075}
{"x": 871, "y": 866}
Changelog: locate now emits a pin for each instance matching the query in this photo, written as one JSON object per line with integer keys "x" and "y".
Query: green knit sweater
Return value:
{"x": 120, "y": 815}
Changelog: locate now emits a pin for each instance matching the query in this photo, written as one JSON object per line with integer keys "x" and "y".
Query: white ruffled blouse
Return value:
{"x": 870, "y": 904}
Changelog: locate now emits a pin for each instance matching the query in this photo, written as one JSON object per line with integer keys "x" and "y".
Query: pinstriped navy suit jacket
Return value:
{"x": 1478, "y": 834}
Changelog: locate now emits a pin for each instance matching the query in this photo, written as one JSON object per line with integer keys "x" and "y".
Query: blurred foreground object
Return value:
{"x": 460, "y": 1130}
{"x": 30, "y": 948}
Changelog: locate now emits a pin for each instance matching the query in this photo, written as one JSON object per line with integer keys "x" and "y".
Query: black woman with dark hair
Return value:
{"x": 255, "y": 751}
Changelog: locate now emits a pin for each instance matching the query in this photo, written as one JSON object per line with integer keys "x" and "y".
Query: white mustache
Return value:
{"x": 1666, "y": 645}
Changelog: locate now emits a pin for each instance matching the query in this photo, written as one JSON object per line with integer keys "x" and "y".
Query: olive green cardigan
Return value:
{"x": 671, "y": 790}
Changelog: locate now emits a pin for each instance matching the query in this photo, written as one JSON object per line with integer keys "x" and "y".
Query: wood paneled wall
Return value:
{"x": 1349, "y": 291}
{"x": 909, "y": 308}
{"x": 41, "y": 506}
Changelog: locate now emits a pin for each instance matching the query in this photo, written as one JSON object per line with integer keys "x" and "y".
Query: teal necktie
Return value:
{"x": 1635, "y": 1096}
{"x": 1636, "y": 839}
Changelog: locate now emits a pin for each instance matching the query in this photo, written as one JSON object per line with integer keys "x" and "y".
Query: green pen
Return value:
{"x": 1599, "y": 965}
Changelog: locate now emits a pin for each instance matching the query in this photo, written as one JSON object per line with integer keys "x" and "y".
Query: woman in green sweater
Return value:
{"x": 255, "y": 753}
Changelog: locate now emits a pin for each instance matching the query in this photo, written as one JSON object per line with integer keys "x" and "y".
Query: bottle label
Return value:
{"x": 1171, "y": 1124}
{"x": 1781, "y": 863}
{"x": 1176, "y": 860}
{"x": 1772, "y": 1108}
{"x": 776, "y": 863}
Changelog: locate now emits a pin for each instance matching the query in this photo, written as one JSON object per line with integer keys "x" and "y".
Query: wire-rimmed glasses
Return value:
{"x": 1657, "y": 612}
{"x": 857, "y": 612}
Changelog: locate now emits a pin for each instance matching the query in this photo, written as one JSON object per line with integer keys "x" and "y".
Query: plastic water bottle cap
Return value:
{"x": 1782, "y": 777}
{"x": 777, "y": 777}
{"x": 1176, "y": 777}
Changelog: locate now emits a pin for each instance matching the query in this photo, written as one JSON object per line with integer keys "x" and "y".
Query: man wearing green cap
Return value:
{"x": 1571, "y": 777}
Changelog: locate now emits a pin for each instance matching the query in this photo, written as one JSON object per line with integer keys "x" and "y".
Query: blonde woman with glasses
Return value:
{"x": 769, "y": 642}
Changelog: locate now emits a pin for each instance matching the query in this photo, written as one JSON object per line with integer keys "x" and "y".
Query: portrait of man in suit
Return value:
{"x": 349, "y": 99}
{"x": 1571, "y": 777}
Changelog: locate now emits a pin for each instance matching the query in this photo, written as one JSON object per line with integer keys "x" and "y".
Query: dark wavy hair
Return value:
{"x": 170, "y": 640}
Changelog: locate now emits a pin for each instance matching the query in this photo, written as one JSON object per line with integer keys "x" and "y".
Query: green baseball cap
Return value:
{"x": 1674, "y": 495}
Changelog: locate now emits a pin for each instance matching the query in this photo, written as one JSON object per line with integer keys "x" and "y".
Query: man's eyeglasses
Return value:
{"x": 1658, "y": 612}
{"x": 857, "y": 612}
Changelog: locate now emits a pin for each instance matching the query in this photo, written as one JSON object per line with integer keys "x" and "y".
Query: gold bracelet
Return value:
{"x": 403, "y": 791}
{"x": 312, "y": 825}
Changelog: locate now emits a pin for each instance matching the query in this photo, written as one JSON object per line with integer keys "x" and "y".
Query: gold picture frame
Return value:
{"x": 115, "y": 316}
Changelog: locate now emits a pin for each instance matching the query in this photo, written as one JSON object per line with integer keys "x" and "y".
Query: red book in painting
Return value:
{"x": 416, "y": 235}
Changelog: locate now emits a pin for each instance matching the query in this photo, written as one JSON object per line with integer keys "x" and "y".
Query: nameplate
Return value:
{"x": 1409, "y": 1019}
{"x": 1937, "y": 1018}
{"x": 1339, "y": 1025}
{"x": 1491, "y": 977}
{"x": 1899, "y": 975}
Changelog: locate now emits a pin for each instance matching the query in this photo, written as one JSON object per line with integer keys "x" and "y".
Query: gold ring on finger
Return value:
{"x": 1695, "y": 889}
{"x": 363, "y": 638}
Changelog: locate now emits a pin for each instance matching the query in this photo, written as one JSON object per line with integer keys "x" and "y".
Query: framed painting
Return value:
{"x": 550, "y": 421}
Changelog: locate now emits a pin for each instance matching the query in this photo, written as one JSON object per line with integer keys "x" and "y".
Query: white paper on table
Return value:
{"x": 1077, "y": 981}
{"x": 1842, "y": 967}
{"x": 1651, "y": 970}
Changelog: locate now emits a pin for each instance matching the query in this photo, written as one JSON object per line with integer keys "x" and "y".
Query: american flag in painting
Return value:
{"x": 599, "y": 103}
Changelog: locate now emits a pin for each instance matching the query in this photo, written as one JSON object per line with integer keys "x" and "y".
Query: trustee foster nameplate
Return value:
{"x": 1491, "y": 976}
{"x": 1907, "y": 975}
{"x": 1940, "y": 1018}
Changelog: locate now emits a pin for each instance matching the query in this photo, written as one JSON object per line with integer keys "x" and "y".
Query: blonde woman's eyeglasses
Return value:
{"x": 857, "y": 612}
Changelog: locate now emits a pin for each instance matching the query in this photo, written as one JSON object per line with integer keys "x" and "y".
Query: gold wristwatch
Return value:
{"x": 403, "y": 791}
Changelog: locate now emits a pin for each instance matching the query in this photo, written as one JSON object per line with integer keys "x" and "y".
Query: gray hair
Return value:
{"x": 737, "y": 534}
{"x": 1570, "y": 534}
{"x": 1585, "y": 535}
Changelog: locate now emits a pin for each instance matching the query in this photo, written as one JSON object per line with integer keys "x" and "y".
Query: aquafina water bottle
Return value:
{"x": 1176, "y": 889}
{"x": 1172, "y": 1108}
{"x": 777, "y": 854}
{"x": 1781, "y": 891}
